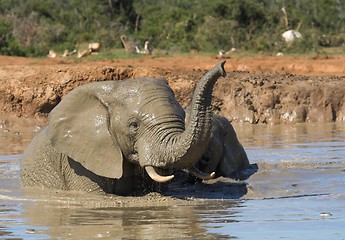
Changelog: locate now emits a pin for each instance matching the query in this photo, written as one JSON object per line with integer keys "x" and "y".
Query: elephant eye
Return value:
{"x": 133, "y": 124}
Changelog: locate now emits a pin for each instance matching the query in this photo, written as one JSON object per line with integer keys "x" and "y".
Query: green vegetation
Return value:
{"x": 32, "y": 27}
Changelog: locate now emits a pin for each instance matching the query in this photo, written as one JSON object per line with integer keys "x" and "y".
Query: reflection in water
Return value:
{"x": 296, "y": 160}
{"x": 301, "y": 174}
{"x": 282, "y": 136}
{"x": 15, "y": 136}
{"x": 156, "y": 222}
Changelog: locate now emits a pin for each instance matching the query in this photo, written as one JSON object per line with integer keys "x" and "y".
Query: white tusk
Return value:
{"x": 155, "y": 176}
{"x": 204, "y": 176}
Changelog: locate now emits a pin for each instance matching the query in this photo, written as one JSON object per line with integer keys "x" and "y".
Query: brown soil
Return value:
{"x": 263, "y": 89}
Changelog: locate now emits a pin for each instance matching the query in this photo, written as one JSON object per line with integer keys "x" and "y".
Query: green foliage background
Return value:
{"x": 32, "y": 27}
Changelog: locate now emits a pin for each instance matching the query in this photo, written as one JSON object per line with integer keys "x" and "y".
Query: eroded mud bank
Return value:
{"x": 33, "y": 90}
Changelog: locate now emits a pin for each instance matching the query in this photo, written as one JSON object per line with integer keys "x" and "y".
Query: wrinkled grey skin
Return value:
{"x": 224, "y": 155}
{"x": 102, "y": 135}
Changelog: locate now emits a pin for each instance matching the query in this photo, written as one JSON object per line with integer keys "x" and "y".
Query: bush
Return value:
{"x": 33, "y": 27}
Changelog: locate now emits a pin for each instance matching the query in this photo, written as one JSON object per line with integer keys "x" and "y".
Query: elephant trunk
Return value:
{"x": 184, "y": 146}
{"x": 190, "y": 144}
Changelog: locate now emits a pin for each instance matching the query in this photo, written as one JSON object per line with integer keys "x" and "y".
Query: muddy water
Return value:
{"x": 298, "y": 192}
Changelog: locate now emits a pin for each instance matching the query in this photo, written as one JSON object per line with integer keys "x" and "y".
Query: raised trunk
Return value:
{"x": 189, "y": 146}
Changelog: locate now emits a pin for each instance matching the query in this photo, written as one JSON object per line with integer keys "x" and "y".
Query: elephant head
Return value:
{"x": 225, "y": 155}
{"x": 102, "y": 124}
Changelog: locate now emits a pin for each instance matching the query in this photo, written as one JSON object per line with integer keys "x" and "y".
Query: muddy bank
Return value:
{"x": 33, "y": 90}
{"x": 281, "y": 98}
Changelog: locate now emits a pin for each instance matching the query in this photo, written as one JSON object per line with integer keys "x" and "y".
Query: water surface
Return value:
{"x": 297, "y": 193}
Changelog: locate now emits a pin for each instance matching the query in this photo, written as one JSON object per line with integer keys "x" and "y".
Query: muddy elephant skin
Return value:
{"x": 224, "y": 155}
{"x": 103, "y": 135}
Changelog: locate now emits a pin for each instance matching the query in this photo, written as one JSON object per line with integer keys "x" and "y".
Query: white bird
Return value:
{"x": 147, "y": 48}
{"x": 291, "y": 35}
{"x": 52, "y": 54}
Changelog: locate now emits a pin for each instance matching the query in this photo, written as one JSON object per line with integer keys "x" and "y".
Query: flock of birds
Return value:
{"x": 289, "y": 36}
{"x": 93, "y": 48}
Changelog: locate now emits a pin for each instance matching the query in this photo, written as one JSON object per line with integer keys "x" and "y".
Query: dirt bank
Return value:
{"x": 256, "y": 90}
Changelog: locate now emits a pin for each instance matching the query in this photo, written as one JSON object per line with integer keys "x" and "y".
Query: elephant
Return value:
{"x": 111, "y": 136}
{"x": 224, "y": 155}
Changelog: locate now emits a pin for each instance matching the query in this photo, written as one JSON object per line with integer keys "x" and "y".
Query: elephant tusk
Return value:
{"x": 204, "y": 176}
{"x": 155, "y": 176}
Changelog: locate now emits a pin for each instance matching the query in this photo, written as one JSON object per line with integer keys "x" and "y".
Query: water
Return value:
{"x": 297, "y": 193}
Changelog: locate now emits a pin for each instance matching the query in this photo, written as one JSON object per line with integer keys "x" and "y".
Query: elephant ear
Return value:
{"x": 78, "y": 127}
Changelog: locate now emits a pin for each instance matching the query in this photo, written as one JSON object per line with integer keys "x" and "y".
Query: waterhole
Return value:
{"x": 298, "y": 192}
